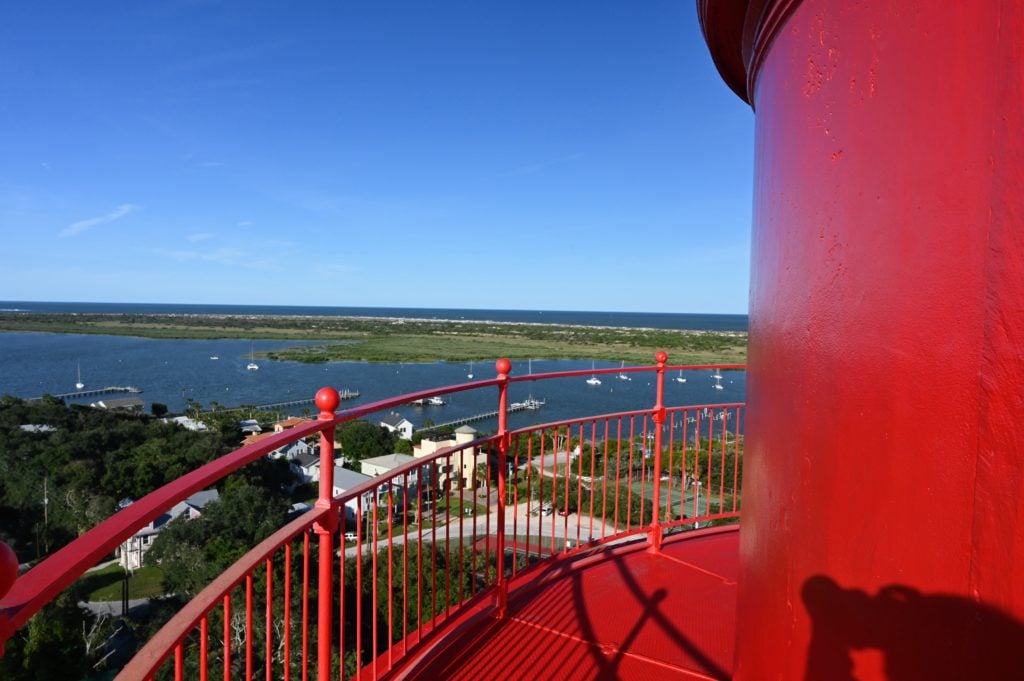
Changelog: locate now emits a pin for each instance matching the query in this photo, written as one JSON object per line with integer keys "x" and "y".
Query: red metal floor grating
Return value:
{"x": 621, "y": 613}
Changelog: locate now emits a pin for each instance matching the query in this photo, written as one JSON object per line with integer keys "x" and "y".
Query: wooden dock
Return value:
{"x": 109, "y": 390}
{"x": 529, "y": 405}
{"x": 343, "y": 394}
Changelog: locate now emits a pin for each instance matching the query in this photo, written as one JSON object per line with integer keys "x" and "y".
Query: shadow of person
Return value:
{"x": 937, "y": 637}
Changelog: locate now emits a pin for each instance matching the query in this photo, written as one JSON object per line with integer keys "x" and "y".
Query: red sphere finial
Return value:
{"x": 327, "y": 400}
{"x": 661, "y": 357}
{"x": 503, "y": 366}
{"x": 8, "y": 568}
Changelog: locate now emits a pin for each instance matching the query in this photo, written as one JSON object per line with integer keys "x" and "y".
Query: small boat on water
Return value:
{"x": 470, "y": 374}
{"x": 718, "y": 383}
{"x": 593, "y": 380}
{"x": 252, "y": 365}
{"x": 680, "y": 378}
{"x": 621, "y": 375}
{"x": 214, "y": 357}
{"x": 436, "y": 401}
{"x": 79, "y": 385}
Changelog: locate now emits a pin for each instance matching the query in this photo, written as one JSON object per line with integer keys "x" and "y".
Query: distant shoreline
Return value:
{"x": 401, "y": 339}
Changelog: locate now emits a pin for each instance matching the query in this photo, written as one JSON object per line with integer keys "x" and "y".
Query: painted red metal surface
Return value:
{"x": 883, "y": 528}
{"x": 622, "y": 613}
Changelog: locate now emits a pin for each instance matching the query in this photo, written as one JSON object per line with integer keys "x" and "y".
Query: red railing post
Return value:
{"x": 658, "y": 416}
{"x": 327, "y": 399}
{"x": 501, "y": 587}
{"x": 8, "y": 575}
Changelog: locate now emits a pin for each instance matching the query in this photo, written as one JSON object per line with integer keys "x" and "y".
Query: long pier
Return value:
{"x": 110, "y": 389}
{"x": 343, "y": 394}
{"x": 529, "y": 405}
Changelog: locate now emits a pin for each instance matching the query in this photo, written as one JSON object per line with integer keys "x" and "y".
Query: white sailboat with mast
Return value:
{"x": 252, "y": 365}
{"x": 79, "y": 385}
{"x": 593, "y": 380}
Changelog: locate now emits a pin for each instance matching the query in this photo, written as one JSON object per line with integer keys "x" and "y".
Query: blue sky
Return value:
{"x": 529, "y": 155}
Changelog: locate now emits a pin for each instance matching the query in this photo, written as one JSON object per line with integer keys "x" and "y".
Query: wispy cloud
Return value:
{"x": 244, "y": 223}
{"x": 82, "y": 225}
{"x": 537, "y": 167}
{"x": 231, "y": 257}
{"x": 198, "y": 236}
{"x": 46, "y": 166}
{"x": 223, "y": 256}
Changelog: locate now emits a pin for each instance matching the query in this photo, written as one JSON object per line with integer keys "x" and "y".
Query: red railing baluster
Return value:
{"x": 327, "y": 399}
{"x": 341, "y": 598}
{"x": 629, "y": 488}
{"x": 604, "y": 481}
{"x": 204, "y": 652}
{"x": 391, "y": 561}
{"x": 227, "y": 636}
{"x": 405, "y": 561}
{"x": 269, "y": 665}
{"x": 658, "y": 416}
{"x": 179, "y": 662}
{"x": 287, "y": 611}
{"x": 248, "y": 626}
{"x": 504, "y": 367}
{"x": 515, "y": 506}
{"x": 359, "y": 587}
{"x": 305, "y": 606}
{"x": 373, "y": 582}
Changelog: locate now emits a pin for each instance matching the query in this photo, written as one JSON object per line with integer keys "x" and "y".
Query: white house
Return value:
{"x": 379, "y": 465}
{"x": 306, "y": 466}
{"x": 134, "y": 549}
{"x": 293, "y": 450}
{"x": 396, "y": 424}
{"x": 186, "y": 422}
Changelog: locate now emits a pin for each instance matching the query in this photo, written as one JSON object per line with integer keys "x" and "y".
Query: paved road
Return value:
{"x": 564, "y": 528}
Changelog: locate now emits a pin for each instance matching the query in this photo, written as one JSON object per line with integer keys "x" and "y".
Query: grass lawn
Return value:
{"x": 105, "y": 584}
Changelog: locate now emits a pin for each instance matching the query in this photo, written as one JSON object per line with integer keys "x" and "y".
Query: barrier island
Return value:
{"x": 380, "y": 339}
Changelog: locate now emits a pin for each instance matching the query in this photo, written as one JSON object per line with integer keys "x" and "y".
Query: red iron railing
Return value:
{"x": 398, "y": 557}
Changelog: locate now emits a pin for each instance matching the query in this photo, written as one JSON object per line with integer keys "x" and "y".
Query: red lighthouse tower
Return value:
{"x": 882, "y": 534}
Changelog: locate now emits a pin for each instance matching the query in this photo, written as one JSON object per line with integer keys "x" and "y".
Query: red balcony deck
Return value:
{"x": 617, "y": 613}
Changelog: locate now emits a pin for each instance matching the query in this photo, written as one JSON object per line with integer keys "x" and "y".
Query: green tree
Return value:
{"x": 362, "y": 440}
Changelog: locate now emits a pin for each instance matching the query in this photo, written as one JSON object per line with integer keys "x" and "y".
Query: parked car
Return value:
{"x": 546, "y": 510}
{"x": 350, "y": 536}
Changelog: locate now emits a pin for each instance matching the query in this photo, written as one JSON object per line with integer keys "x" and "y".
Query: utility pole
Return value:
{"x": 46, "y": 513}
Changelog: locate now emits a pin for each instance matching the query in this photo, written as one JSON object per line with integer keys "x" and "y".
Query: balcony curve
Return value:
{"x": 469, "y": 530}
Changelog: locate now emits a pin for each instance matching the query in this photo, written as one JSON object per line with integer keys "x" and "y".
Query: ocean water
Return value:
{"x": 678, "y": 321}
{"x": 173, "y": 371}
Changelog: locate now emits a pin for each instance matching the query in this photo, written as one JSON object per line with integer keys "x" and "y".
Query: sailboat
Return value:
{"x": 593, "y": 380}
{"x": 717, "y": 374}
{"x": 252, "y": 365}
{"x": 622, "y": 376}
{"x": 718, "y": 383}
{"x": 680, "y": 378}
{"x": 79, "y": 385}
{"x": 470, "y": 374}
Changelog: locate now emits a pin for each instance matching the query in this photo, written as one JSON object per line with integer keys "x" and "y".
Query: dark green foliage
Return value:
{"x": 90, "y": 459}
{"x": 363, "y": 440}
{"x": 193, "y": 552}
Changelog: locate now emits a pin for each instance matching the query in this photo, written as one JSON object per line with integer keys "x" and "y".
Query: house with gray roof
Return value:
{"x": 131, "y": 553}
{"x": 395, "y": 423}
